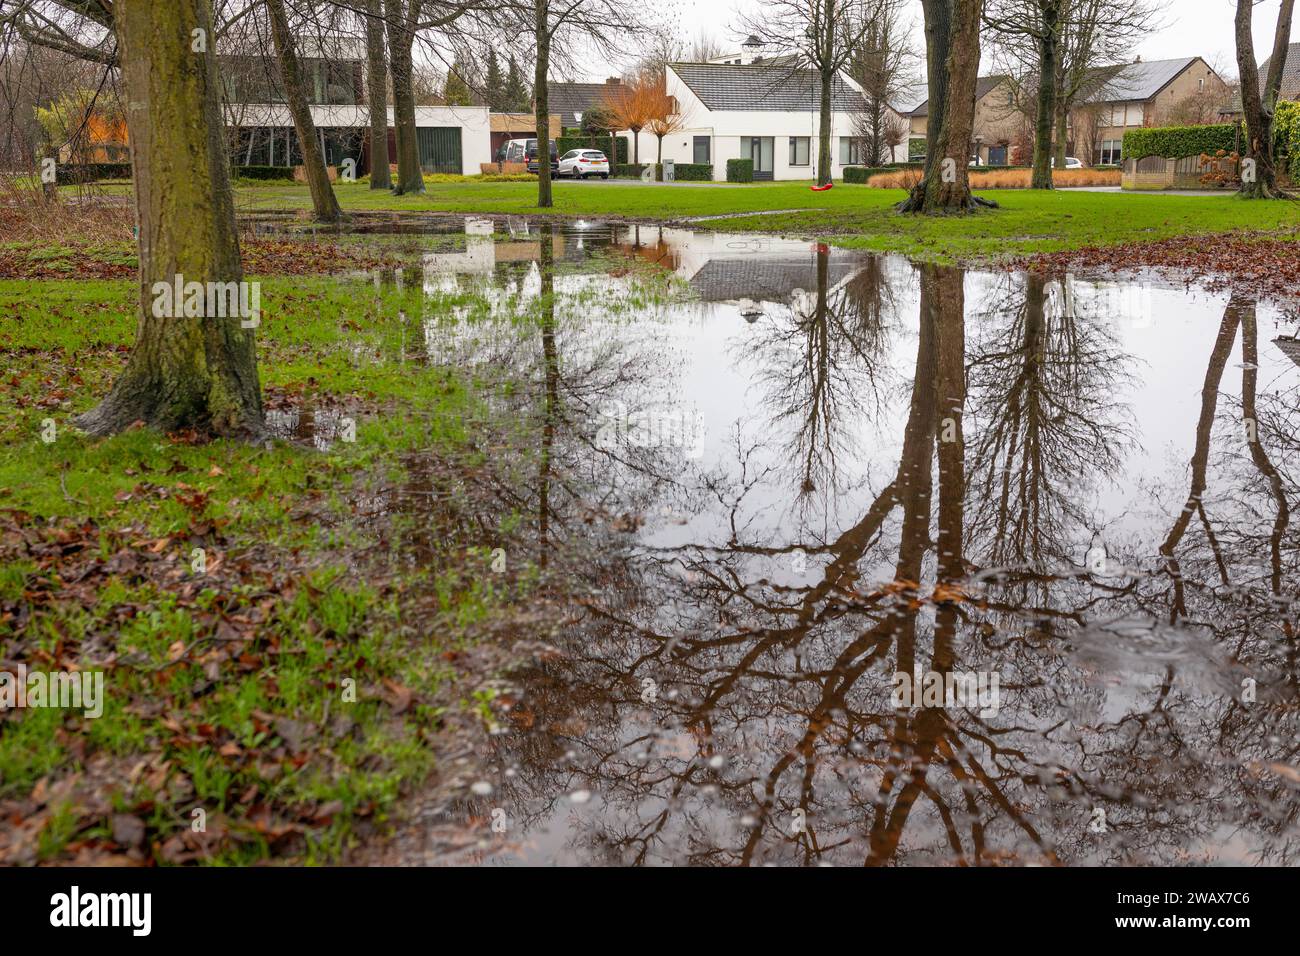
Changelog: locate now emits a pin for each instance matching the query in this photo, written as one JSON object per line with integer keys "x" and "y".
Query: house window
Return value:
{"x": 701, "y": 155}
{"x": 851, "y": 150}
{"x": 799, "y": 151}
{"x": 1108, "y": 152}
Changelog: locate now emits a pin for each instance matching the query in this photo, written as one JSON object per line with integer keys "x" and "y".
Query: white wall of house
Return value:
{"x": 727, "y": 128}
{"x": 473, "y": 122}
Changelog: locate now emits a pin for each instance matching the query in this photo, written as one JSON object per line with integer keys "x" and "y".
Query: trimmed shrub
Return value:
{"x": 861, "y": 174}
{"x": 1175, "y": 142}
{"x": 628, "y": 171}
{"x": 263, "y": 172}
{"x": 690, "y": 172}
{"x": 566, "y": 143}
{"x": 91, "y": 172}
{"x": 740, "y": 170}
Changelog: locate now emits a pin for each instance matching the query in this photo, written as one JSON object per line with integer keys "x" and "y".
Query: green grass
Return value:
{"x": 848, "y": 215}
{"x": 283, "y": 518}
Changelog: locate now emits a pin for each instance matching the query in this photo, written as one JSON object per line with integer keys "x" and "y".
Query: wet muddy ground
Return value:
{"x": 856, "y": 561}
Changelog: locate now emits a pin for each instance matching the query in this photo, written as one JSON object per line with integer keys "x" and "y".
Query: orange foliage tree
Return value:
{"x": 666, "y": 116}
{"x": 632, "y": 105}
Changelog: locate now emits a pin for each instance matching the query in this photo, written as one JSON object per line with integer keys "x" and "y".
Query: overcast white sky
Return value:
{"x": 1192, "y": 28}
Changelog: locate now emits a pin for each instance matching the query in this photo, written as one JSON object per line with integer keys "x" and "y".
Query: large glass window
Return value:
{"x": 799, "y": 151}
{"x": 1108, "y": 152}
{"x": 701, "y": 149}
{"x": 851, "y": 150}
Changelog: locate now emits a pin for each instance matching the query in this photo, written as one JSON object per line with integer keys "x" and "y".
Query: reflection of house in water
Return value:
{"x": 1290, "y": 347}
{"x": 749, "y": 271}
{"x": 767, "y": 279}
{"x": 741, "y": 269}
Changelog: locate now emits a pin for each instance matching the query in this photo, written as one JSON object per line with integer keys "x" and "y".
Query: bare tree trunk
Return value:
{"x": 875, "y": 144}
{"x": 1061, "y": 112}
{"x": 401, "y": 37}
{"x": 1257, "y": 105}
{"x": 953, "y": 54}
{"x": 827, "y": 71}
{"x": 1045, "y": 113}
{"x": 377, "y": 86}
{"x": 824, "y": 132}
{"x": 184, "y": 371}
{"x": 541, "y": 104}
{"x": 1062, "y": 133}
{"x": 325, "y": 205}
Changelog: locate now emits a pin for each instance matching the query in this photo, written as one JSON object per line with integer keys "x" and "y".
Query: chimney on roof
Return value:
{"x": 751, "y": 49}
{"x": 1137, "y": 59}
{"x": 613, "y": 81}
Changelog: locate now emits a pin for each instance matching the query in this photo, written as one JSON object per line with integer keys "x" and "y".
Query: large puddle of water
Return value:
{"x": 878, "y": 563}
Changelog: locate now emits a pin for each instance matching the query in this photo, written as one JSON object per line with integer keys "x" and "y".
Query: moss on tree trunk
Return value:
{"x": 377, "y": 96}
{"x": 541, "y": 101}
{"x": 953, "y": 55}
{"x": 1259, "y": 177}
{"x": 401, "y": 37}
{"x": 184, "y": 371}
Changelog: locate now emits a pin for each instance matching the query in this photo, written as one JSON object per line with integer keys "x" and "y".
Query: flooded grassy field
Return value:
{"x": 863, "y": 562}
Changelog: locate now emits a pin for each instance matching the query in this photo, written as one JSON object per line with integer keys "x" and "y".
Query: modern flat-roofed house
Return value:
{"x": 764, "y": 110}
{"x": 997, "y": 122}
{"x": 452, "y": 139}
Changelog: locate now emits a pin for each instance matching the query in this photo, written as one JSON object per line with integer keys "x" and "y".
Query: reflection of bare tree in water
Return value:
{"x": 1043, "y": 380}
{"x": 820, "y": 367}
{"x": 790, "y": 686}
{"x": 1222, "y": 615}
{"x": 773, "y": 700}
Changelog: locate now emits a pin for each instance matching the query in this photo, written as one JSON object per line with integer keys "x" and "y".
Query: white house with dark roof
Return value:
{"x": 766, "y": 111}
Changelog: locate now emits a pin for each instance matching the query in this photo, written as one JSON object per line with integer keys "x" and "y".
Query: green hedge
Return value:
{"x": 690, "y": 172}
{"x": 860, "y": 174}
{"x": 566, "y": 143}
{"x": 262, "y": 172}
{"x": 740, "y": 170}
{"x": 684, "y": 172}
{"x": 1286, "y": 137}
{"x": 91, "y": 172}
{"x": 1175, "y": 142}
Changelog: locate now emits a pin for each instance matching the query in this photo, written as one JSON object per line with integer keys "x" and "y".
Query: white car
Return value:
{"x": 1070, "y": 163}
{"x": 581, "y": 163}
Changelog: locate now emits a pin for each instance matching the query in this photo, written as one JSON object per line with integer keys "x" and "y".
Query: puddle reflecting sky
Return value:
{"x": 773, "y": 475}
